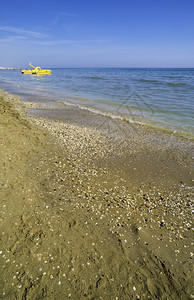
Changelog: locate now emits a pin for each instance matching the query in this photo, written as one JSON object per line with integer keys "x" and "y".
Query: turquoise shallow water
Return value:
{"x": 159, "y": 97}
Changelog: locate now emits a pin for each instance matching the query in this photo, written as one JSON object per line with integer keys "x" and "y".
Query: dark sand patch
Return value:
{"x": 77, "y": 224}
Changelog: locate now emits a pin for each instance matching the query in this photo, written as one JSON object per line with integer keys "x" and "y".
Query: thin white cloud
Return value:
{"x": 56, "y": 42}
{"x": 63, "y": 41}
{"x": 10, "y": 39}
{"x": 28, "y": 33}
{"x": 77, "y": 43}
{"x": 41, "y": 39}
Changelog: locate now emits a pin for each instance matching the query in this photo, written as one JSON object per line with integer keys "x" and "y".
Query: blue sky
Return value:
{"x": 103, "y": 33}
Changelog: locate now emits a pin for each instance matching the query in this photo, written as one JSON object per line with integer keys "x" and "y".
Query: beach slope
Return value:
{"x": 71, "y": 227}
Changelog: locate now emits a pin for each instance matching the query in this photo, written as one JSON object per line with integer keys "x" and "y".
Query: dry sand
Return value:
{"x": 84, "y": 216}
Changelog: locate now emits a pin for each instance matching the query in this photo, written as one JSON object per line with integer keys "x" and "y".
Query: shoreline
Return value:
{"x": 82, "y": 217}
{"x": 56, "y": 103}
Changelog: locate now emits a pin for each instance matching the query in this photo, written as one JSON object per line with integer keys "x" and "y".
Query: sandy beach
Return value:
{"x": 92, "y": 211}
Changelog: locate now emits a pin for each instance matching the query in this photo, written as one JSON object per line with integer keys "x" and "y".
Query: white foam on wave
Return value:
{"x": 103, "y": 113}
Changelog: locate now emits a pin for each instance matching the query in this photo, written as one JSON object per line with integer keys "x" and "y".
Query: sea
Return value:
{"x": 161, "y": 98}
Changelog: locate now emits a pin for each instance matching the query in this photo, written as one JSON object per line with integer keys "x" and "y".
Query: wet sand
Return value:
{"x": 92, "y": 212}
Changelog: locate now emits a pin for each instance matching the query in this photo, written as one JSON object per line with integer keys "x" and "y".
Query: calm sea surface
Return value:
{"x": 157, "y": 97}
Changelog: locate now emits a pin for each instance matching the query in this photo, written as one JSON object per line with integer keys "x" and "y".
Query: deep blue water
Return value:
{"x": 159, "y": 97}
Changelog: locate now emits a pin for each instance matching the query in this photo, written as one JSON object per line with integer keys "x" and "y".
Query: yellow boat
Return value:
{"x": 36, "y": 71}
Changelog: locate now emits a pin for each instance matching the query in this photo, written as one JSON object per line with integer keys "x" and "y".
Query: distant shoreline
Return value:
{"x": 4, "y": 68}
{"x": 99, "y": 67}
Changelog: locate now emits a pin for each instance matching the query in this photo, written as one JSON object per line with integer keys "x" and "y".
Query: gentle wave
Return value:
{"x": 3, "y": 82}
{"x": 176, "y": 84}
{"x": 148, "y": 80}
{"x": 113, "y": 116}
{"x": 102, "y": 113}
{"x": 42, "y": 91}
